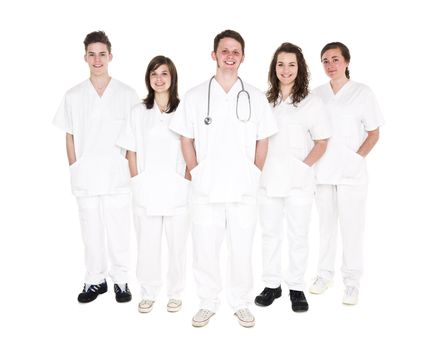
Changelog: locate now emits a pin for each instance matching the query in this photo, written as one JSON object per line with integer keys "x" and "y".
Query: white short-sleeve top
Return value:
{"x": 353, "y": 111}
{"x": 298, "y": 125}
{"x": 225, "y": 149}
{"x": 95, "y": 122}
{"x": 160, "y": 187}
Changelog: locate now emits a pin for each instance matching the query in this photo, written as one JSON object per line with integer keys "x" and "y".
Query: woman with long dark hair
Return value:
{"x": 158, "y": 183}
{"x": 341, "y": 172}
{"x": 287, "y": 181}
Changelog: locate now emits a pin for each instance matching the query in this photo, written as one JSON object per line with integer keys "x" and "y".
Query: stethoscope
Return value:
{"x": 208, "y": 119}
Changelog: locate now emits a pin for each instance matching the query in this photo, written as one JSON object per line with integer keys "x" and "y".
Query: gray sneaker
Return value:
{"x": 245, "y": 318}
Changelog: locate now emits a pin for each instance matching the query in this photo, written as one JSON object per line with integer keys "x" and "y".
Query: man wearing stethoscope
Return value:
{"x": 224, "y": 124}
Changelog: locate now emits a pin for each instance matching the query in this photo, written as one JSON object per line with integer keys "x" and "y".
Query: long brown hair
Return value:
{"x": 174, "y": 101}
{"x": 300, "y": 87}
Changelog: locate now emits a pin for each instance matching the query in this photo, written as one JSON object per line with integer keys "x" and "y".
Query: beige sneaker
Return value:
{"x": 245, "y": 318}
{"x": 319, "y": 285}
{"x": 202, "y": 318}
{"x": 351, "y": 296}
{"x": 145, "y": 306}
{"x": 174, "y": 305}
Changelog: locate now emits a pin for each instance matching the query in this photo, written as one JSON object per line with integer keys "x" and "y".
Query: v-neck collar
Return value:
{"x": 105, "y": 92}
{"x": 340, "y": 91}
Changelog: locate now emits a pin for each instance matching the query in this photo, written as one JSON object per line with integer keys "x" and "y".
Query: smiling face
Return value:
{"x": 98, "y": 57}
{"x": 160, "y": 79}
{"x": 286, "y": 69}
{"x": 228, "y": 55}
{"x": 334, "y": 64}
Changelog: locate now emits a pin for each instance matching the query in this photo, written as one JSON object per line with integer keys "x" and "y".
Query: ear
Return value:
{"x": 242, "y": 59}
{"x": 85, "y": 58}
{"x": 110, "y": 57}
{"x": 213, "y": 55}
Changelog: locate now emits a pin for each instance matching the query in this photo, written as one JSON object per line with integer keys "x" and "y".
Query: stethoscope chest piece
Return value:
{"x": 207, "y": 120}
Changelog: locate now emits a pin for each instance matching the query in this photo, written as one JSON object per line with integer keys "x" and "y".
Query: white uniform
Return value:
{"x": 224, "y": 185}
{"x": 160, "y": 194}
{"x": 287, "y": 188}
{"x": 342, "y": 178}
{"x": 100, "y": 177}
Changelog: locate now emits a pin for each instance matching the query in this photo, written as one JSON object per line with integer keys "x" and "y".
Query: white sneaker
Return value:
{"x": 319, "y": 285}
{"x": 245, "y": 318}
{"x": 202, "y": 318}
{"x": 351, "y": 295}
{"x": 145, "y": 306}
{"x": 174, "y": 305}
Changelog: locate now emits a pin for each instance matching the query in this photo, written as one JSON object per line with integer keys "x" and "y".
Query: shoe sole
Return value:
{"x": 350, "y": 303}
{"x": 200, "y": 324}
{"x": 246, "y": 324}
{"x": 174, "y": 308}
{"x": 300, "y": 310}
{"x": 144, "y": 310}
{"x": 125, "y": 300}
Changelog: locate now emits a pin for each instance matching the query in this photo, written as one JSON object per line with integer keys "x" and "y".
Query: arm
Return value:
{"x": 369, "y": 143}
{"x": 189, "y": 154}
{"x": 132, "y": 158}
{"x": 261, "y": 152}
{"x": 70, "y": 148}
{"x": 317, "y": 151}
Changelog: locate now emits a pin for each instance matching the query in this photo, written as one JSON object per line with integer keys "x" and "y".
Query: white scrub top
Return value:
{"x": 299, "y": 125}
{"x": 225, "y": 149}
{"x": 95, "y": 122}
{"x": 353, "y": 111}
{"x": 160, "y": 187}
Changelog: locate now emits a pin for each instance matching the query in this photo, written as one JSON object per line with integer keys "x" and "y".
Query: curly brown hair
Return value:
{"x": 300, "y": 87}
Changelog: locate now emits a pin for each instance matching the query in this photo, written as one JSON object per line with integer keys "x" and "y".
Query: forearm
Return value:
{"x": 316, "y": 152}
{"x": 369, "y": 143}
{"x": 132, "y": 158}
{"x": 189, "y": 154}
{"x": 70, "y": 148}
{"x": 261, "y": 152}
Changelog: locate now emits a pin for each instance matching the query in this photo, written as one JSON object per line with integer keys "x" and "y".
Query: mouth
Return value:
{"x": 230, "y": 63}
{"x": 286, "y": 76}
{"x": 97, "y": 65}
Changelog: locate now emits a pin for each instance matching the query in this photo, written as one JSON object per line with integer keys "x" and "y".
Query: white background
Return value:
{"x": 395, "y": 49}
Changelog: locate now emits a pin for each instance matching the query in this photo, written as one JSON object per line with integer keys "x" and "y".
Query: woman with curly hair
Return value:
{"x": 288, "y": 181}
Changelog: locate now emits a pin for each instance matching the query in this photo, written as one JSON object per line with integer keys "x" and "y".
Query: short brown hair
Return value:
{"x": 228, "y": 33}
{"x": 97, "y": 37}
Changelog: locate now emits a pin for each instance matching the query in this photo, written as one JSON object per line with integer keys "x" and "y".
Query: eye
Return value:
{"x": 324, "y": 61}
{"x": 236, "y": 53}
{"x": 336, "y": 60}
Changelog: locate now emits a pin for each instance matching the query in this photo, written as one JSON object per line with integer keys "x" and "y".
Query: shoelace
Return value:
{"x": 94, "y": 288}
{"x": 244, "y": 314}
{"x": 205, "y": 313}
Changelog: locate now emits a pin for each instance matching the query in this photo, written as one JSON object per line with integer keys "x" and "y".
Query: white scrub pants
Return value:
{"x": 211, "y": 224}
{"x": 149, "y": 235}
{"x": 105, "y": 227}
{"x": 343, "y": 204}
{"x": 296, "y": 208}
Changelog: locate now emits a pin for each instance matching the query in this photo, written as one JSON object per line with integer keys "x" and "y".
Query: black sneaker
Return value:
{"x": 299, "y": 302}
{"x": 267, "y": 296}
{"x": 122, "y": 296}
{"x": 92, "y": 292}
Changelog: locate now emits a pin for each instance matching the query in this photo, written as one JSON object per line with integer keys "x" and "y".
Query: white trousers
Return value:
{"x": 296, "y": 208}
{"x": 343, "y": 204}
{"x": 105, "y": 227}
{"x": 211, "y": 223}
{"x": 149, "y": 235}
